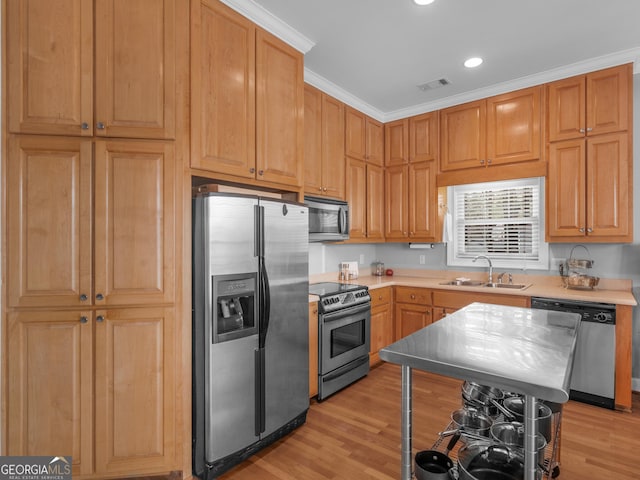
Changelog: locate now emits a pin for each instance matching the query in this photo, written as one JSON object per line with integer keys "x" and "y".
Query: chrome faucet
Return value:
{"x": 508, "y": 276}
{"x": 490, "y": 266}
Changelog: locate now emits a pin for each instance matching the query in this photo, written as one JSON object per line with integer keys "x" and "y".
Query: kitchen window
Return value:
{"x": 502, "y": 220}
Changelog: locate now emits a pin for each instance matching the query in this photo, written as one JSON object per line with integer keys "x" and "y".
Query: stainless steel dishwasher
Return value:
{"x": 594, "y": 365}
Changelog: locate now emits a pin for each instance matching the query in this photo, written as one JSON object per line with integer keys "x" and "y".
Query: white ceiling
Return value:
{"x": 372, "y": 54}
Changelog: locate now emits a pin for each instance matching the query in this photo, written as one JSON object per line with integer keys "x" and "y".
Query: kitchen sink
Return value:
{"x": 465, "y": 283}
{"x": 479, "y": 283}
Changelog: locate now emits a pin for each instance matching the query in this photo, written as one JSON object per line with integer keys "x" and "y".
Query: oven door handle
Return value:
{"x": 338, "y": 372}
{"x": 339, "y": 314}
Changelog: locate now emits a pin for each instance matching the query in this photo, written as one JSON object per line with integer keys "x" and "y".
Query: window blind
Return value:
{"x": 502, "y": 222}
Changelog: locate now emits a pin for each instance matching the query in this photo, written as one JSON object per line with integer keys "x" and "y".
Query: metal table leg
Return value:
{"x": 405, "y": 468}
{"x": 530, "y": 431}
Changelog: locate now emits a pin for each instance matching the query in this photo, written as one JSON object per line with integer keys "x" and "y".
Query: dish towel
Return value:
{"x": 447, "y": 228}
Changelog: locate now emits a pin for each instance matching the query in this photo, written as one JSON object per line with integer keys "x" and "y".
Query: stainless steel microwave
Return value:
{"x": 328, "y": 219}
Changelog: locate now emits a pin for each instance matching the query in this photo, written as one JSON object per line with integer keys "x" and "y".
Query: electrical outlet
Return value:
{"x": 422, "y": 259}
{"x": 556, "y": 262}
{"x": 362, "y": 259}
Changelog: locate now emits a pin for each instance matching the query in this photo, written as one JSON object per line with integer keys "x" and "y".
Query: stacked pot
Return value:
{"x": 493, "y": 449}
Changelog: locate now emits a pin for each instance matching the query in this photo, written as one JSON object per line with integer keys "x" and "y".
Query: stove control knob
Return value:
{"x": 602, "y": 317}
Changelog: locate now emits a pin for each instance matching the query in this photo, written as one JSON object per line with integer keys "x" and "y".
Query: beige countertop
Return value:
{"x": 616, "y": 291}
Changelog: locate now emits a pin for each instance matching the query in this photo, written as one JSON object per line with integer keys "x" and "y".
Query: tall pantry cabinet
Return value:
{"x": 91, "y": 244}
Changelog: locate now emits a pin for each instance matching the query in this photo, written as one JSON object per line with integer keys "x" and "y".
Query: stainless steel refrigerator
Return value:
{"x": 250, "y": 326}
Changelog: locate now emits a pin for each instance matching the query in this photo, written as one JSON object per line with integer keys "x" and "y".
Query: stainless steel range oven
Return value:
{"x": 344, "y": 324}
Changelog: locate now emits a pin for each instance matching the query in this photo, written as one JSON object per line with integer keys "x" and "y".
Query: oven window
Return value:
{"x": 347, "y": 338}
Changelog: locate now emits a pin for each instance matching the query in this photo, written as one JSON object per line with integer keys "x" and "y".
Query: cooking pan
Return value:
{"x": 512, "y": 435}
{"x": 435, "y": 465}
{"x": 485, "y": 398}
{"x": 481, "y": 461}
{"x": 472, "y": 420}
{"x": 515, "y": 405}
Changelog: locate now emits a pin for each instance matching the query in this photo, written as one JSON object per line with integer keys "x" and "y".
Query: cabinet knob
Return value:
{"x": 404, "y": 233}
{"x": 252, "y": 170}
{"x": 100, "y": 318}
{"x": 84, "y": 126}
{"x": 481, "y": 162}
{"x": 324, "y": 189}
{"x": 83, "y": 297}
{"x": 99, "y": 297}
{"x": 100, "y": 126}
{"x": 488, "y": 161}
{"x": 582, "y": 230}
{"x": 582, "y": 130}
{"x": 83, "y": 319}
{"x": 589, "y": 129}
{"x": 589, "y": 230}
{"x": 260, "y": 172}
{"x": 413, "y": 297}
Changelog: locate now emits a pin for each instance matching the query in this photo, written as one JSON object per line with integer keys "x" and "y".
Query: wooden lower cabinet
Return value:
{"x": 446, "y": 301}
{"x": 96, "y": 385}
{"x": 313, "y": 349}
{"x": 382, "y": 328}
{"x": 412, "y": 310}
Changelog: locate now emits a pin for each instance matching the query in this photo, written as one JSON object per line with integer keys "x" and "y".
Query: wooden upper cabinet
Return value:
{"x": 397, "y": 202}
{"x": 247, "y": 98}
{"x": 396, "y": 142}
{"x": 513, "y": 126}
{"x": 324, "y": 144}
{"x": 52, "y": 68}
{"x": 423, "y": 137}
{"x": 223, "y": 131}
{"x": 135, "y": 68}
{"x": 423, "y": 201}
{"x": 357, "y": 198}
{"x": 134, "y": 222}
{"x": 364, "y": 137}
{"x": 463, "y": 136}
{"x": 591, "y": 104}
{"x": 279, "y": 111}
{"x": 49, "y": 221}
{"x": 375, "y": 202}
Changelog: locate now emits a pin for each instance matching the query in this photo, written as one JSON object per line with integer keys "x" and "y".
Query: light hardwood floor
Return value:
{"x": 355, "y": 434}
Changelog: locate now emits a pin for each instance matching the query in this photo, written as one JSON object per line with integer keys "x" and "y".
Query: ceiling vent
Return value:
{"x": 432, "y": 85}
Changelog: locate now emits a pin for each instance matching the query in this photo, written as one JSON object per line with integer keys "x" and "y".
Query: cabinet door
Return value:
{"x": 397, "y": 202}
{"x": 134, "y": 222}
{"x": 382, "y": 329}
{"x": 513, "y": 127}
{"x": 440, "y": 312}
{"x": 313, "y": 349}
{"x": 375, "y": 142}
{"x": 279, "y": 111}
{"x": 375, "y": 202}
{"x": 423, "y": 137}
{"x": 333, "y": 160}
{"x": 313, "y": 141}
{"x": 411, "y": 318}
{"x": 223, "y": 126}
{"x": 608, "y": 100}
{"x": 50, "y": 389}
{"x": 50, "y": 67}
{"x": 396, "y": 142}
{"x": 355, "y": 129}
{"x": 566, "y": 108}
{"x": 357, "y": 198}
{"x": 463, "y": 136}
{"x": 609, "y": 196}
{"x": 423, "y": 211}
{"x": 566, "y": 189}
{"x": 135, "y": 390}
{"x": 49, "y": 221}
{"x": 135, "y": 68}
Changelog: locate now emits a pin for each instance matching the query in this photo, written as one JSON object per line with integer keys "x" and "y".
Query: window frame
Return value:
{"x": 542, "y": 263}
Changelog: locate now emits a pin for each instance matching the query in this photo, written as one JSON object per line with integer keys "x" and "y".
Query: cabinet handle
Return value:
{"x": 100, "y": 318}
{"x": 413, "y": 297}
{"x": 83, "y": 297}
{"x": 582, "y": 230}
{"x": 84, "y": 126}
{"x": 582, "y": 130}
{"x": 100, "y": 126}
{"x": 589, "y": 230}
{"x": 324, "y": 189}
{"x": 252, "y": 170}
{"x": 404, "y": 233}
{"x": 481, "y": 162}
{"x": 488, "y": 161}
{"x": 83, "y": 319}
{"x": 99, "y": 297}
{"x": 260, "y": 172}
{"x": 589, "y": 129}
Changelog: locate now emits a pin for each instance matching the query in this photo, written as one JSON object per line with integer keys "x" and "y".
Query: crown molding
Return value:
{"x": 335, "y": 91}
{"x": 259, "y": 15}
{"x": 578, "y": 68}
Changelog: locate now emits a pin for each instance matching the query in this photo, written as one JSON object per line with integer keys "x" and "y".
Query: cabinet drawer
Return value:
{"x": 421, "y": 296}
{"x": 380, "y": 296}
{"x": 457, "y": 300}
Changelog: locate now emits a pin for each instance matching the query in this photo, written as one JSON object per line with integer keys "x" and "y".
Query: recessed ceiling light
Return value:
{"x": 472, "y": 62}
{"x": 422, "y": 2}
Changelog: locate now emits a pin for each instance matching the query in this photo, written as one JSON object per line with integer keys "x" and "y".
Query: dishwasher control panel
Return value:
{"x": 590, "y": 311}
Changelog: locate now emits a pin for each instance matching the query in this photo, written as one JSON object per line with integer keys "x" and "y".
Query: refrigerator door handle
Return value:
{"x": 265, "y": 304}
{"x": 260, "y": 418}
{"x": 258, "y": 221}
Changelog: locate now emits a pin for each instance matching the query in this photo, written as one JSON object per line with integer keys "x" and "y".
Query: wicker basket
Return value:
{"x": 580, "y": 281}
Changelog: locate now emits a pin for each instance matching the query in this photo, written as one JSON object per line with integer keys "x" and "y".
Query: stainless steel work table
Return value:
{"x": 521, "y": 350}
